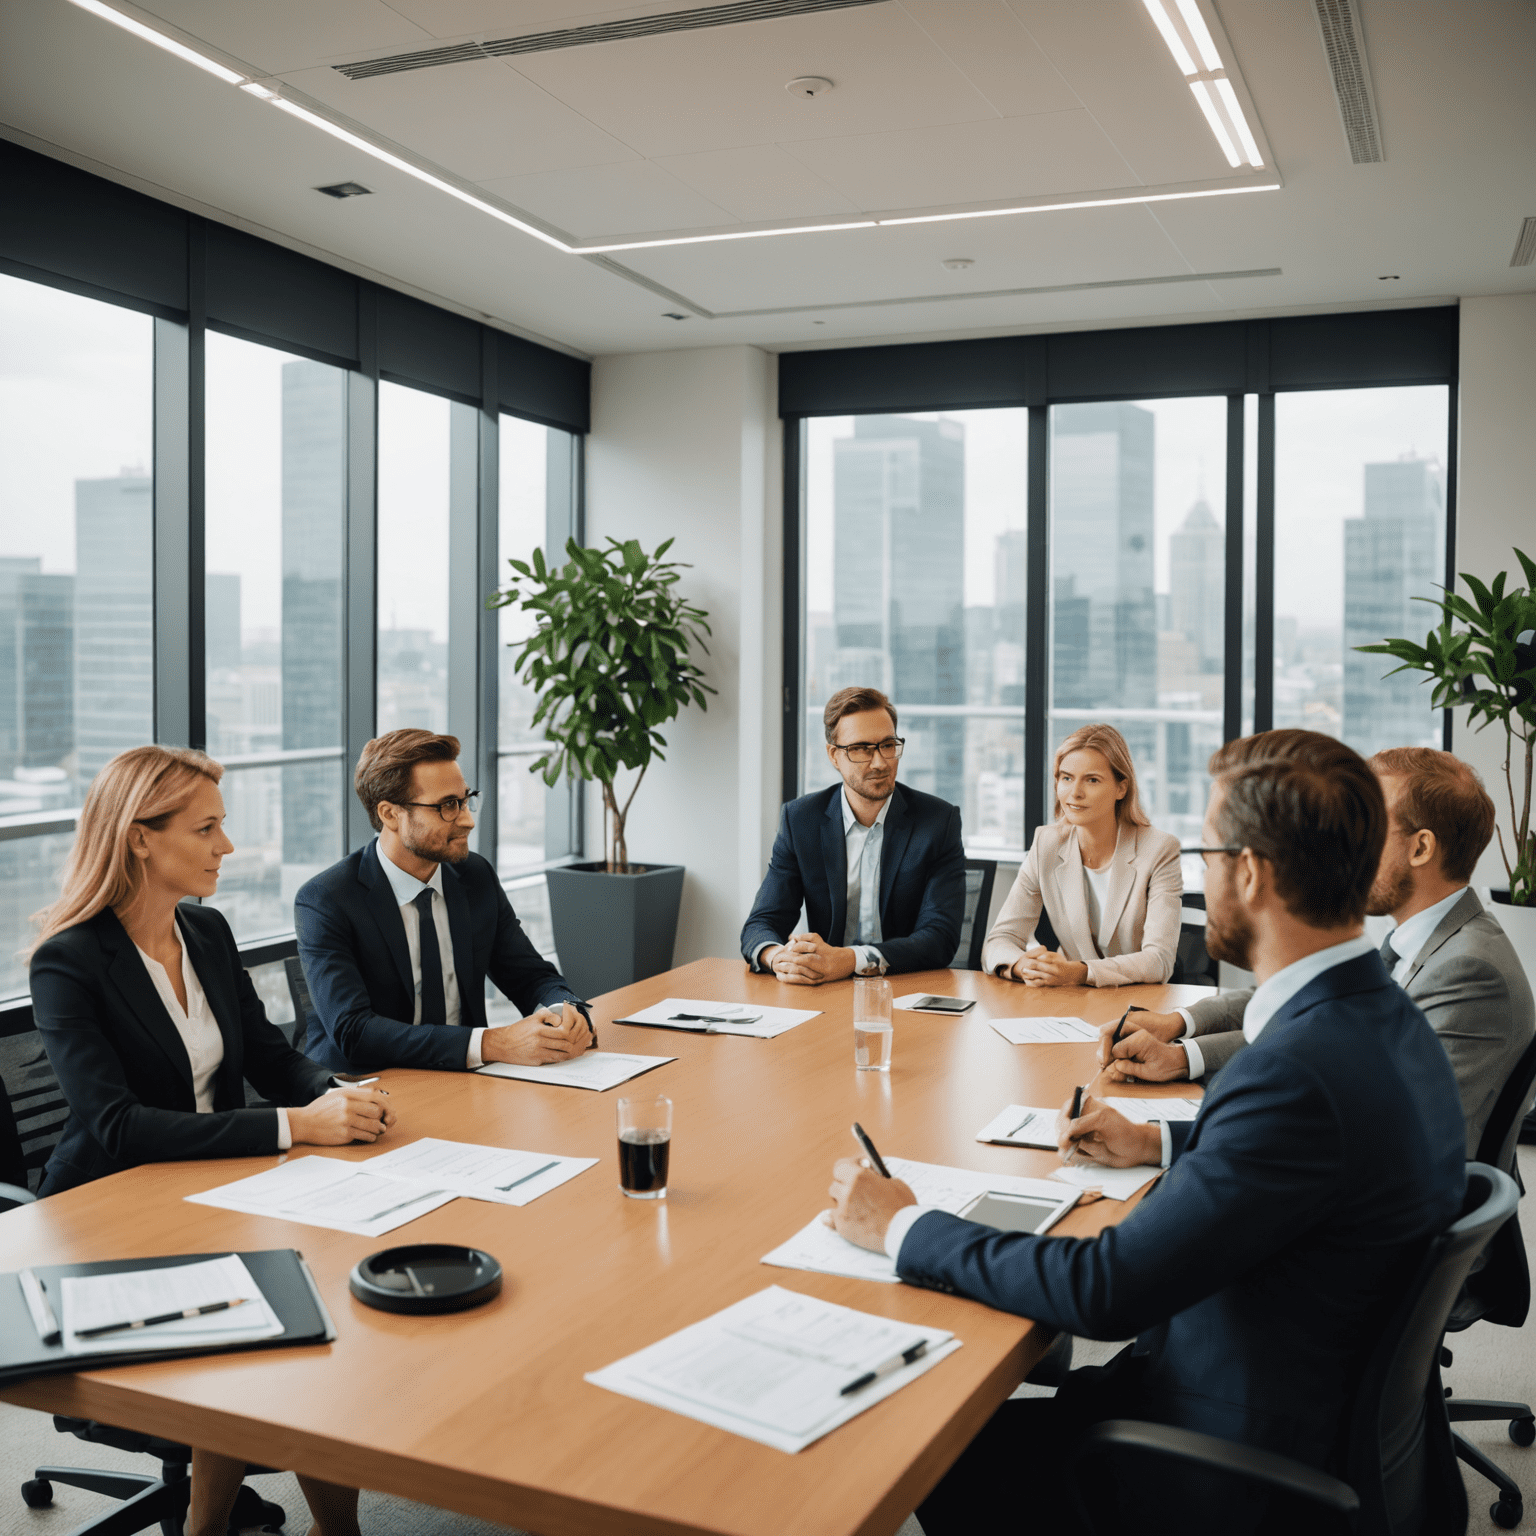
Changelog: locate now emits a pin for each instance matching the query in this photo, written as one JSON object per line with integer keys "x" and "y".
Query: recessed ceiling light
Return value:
{"x": 346, "y": 189}
{"x": 160, "y": 40}
{"x": 957, "y": 263}
{"x": 808, "y": 85}
{"x": 1187, "y": 35}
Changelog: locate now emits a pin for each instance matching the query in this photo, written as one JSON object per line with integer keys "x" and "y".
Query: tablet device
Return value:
{"x": 1018, "y": 1213}
{"x": 931, "y": 1004}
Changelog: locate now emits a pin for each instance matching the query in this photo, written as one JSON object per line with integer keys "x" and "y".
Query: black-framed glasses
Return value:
{"x": 449, "y": 806}
{"x": 864, "y": 751}
{"x": 1227, "y": 848}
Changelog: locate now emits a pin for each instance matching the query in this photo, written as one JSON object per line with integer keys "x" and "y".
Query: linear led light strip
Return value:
{"x": 1208, "y": 80}
{"x": 378, "y": 152}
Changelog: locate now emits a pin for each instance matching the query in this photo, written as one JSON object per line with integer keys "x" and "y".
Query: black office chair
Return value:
{"x": 303, "y": 1004}
{"x": 32, "y": 1118}
{"x": 979, "y": 877}
{"x": 1400, "y": 1472}
{"x": 1498, "y": 1291}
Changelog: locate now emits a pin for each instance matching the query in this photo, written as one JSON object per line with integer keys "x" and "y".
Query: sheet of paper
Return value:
{"x": 327, "y": 1192}
{"x": 499, "y": 1174}
{"x": 92, "y": 1301}
{"x": 740, "y": 1018}
{"x": 1113, "y": 1183}
{"x": 910, "y": 1000}
{"x": 772, "y": 1367}
{"x": 817, "y": 1247}
{"x": 1144, "y": 1110}
{"x": 598, "y": 1070}
{"x": 1046, "y": 1031}
{"x": 1019, "y": 1125}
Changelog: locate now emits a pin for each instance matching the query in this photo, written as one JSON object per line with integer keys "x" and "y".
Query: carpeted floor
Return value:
{"x": 1489, "y": 1362}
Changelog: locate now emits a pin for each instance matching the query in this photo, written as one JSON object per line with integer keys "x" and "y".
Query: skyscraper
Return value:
{"x": 114, "y": 619}
{"x": 37, "y": 666}
{"x": 1391, "y": 556}
{"x": 1197, "y": 582}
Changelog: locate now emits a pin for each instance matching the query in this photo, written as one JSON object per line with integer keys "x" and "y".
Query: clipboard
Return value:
{"x": 282, "y": 1274}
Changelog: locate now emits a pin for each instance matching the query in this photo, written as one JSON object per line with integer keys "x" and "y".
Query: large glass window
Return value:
{"x": 76, "y": 577}
{"x": 276, "y": 503}
{"x": 915, "y": 584}
{"x": 1359, "y": 534}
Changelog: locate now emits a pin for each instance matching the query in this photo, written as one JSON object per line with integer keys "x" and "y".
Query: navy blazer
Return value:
{"x": 122, "y": 1065}
{"x": 922, "y": 878}
{"x": 358, "y": 966}
{"x": 1322, "y": 1160}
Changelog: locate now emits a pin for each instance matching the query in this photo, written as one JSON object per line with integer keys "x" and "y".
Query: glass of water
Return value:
{"x": 872, "y": 1024}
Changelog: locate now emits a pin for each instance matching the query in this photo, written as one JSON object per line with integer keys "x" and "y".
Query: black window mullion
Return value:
{"x": 1037, "y": 651}
{"x": 794, "y": 606}
{"x": 1264, "y": 572}
{"x": 1453, "y": 406}
{"x": 487, "y": 579}
{"x": 362, "y": 598}
{"x": 1232, "y": 644}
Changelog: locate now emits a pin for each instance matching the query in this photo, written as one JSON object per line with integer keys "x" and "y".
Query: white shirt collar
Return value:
{"x": 406, "y": 886}
{"x": 1412, "y": 934}
{"x": 850, "y": 821}
{"x": 1271, "y": 996}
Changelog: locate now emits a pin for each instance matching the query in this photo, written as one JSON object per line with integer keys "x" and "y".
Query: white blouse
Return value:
{"x": 195, "y": 1023}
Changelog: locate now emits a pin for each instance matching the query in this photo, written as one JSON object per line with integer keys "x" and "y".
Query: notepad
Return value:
{"x": 1019, "y": 1125}
{"x": 1112, "y": 1183}
{"x": 1046, "y": 1031}
{"x": 772, "y": 1368}
{"x": 714, "y": 1018}
{"x": 597, "y": 1070}
{"x": 1142, "y": 1111}
{"x": 498, "y": 1174}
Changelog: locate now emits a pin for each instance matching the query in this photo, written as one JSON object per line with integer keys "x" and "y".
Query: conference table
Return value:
{"x": 486, "y": 1412}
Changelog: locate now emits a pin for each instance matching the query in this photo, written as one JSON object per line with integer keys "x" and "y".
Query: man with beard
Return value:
{"x": 403, "y": 933}
{"x": 879, "y": 867}
{"x": 1258, "y": 1271}
{"x": 1452, "y": 957}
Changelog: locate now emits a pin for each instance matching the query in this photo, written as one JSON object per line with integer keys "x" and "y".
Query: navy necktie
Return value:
{"x": 1389, "y": 956}
{"x": 434, "y": 1005}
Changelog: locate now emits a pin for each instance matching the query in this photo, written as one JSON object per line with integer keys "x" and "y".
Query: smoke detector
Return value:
{"x": 958, "y": 264}
{"x": 808, "y": 85}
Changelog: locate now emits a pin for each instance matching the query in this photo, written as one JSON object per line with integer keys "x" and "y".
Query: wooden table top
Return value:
{"x": 485, "y": 1412}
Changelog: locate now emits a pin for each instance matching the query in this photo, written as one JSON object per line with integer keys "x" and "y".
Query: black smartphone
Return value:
{"x": 930, "y": 1004}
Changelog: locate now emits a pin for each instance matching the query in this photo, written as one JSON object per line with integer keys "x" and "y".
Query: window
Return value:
{"x": 276, "y": 505}
{"x": 1360, "y": 486}
{"x": 76, "y": 577}
{"x": 915, "y": 584}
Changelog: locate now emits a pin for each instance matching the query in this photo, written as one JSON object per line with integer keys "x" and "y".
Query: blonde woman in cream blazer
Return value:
{"x": 1135, "y": 866}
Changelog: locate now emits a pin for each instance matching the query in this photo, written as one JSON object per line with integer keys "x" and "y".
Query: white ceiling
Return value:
{"x": 936, "y": 103}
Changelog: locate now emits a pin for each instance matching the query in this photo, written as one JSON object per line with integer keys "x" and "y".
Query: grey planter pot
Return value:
{"x": 611, "y": 930}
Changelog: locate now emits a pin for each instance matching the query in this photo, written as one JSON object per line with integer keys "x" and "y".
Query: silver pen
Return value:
{"x": 36, "y": 1294}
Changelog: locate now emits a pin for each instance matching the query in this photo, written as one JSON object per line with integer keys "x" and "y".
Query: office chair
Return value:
{"x": 303, "y": 1004}
{"x": 32, "y": 1111}
{"x": 1400, "y": 1472}
{"x": 979, "y": 877}
{"x": 1499, "y": 1291}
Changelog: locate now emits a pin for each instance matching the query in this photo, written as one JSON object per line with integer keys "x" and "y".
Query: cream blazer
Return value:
{"x": 1141, "y": 916}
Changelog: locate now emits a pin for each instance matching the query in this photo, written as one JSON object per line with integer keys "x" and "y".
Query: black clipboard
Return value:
{"x": 282, "y": 1274}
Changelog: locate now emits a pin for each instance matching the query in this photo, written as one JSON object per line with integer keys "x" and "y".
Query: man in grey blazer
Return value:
{"x": 1449, "y": 954}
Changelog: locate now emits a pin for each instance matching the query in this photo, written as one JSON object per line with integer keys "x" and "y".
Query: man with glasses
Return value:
{"x": 879, "y": 867}
{"x": 403, "y": 933}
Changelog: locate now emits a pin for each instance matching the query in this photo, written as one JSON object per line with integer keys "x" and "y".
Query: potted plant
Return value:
{"x": 1488, "y": 668}
{"x": 609, "y": 662}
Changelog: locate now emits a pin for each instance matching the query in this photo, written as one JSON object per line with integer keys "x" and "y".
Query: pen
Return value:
{"x": 36, "y": 1294}
{"x": 1077, "y": 1109}
{"x": 162, "y": 1317}
{"x": 536, "y": 1172}
{"x": 1027, "y": 1120}
{"x": 886, "y": 1367}
{"x": 876, "y": 1161}
{"x": 1114, "y": 1039}
{"x": 709, "y": 1018}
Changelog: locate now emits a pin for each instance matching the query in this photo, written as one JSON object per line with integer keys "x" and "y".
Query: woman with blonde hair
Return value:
{"x": 1106, "y": 878}
{"x": 152, "y": 1025}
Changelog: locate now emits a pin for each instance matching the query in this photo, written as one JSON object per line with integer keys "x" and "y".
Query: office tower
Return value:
{"x": 221, "y": 621}
{"x": 1391, "y": 555}
{"x": 899, "y": 579}
{"x": 114, "y": 619}
{"x": 314, "y": 504}
{"x": 37, "y": 666}
{"x": 1197, "y": 582}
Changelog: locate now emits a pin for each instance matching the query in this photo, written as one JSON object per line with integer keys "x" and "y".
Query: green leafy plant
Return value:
{"x": 1488, "y": 668}
{"x": 609, "y": 662}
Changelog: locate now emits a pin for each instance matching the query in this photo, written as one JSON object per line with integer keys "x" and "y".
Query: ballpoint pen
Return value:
{"x": 160, "y": 1317}
{"x": 886, "y": 1367}
{"x": 1077, "y": 1109}
{"x": 875, "y": 1160}
{"x": 1114, "y": 1039}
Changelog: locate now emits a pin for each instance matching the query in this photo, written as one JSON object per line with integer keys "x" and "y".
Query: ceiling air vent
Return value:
{"x": 601, "y": 32}
{"x": 340, "y": 189}
{"x": 1525, "y": 246}
{"x": 1344, "y": 45}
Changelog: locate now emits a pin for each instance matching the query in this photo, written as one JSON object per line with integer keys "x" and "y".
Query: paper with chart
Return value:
{"x": 96, "y": 1301}
{"x": 327, "y": 1192}
{"x": 1046, "y": 1031}
{"x": 1112, "y": 1183}
{"x": 499, "y": 1174}
{"x": 772, "y": 1368}
{"x": 597, "y": 1070}
{"x": 817, "y": 1247}
{"x": 1020, "y": 1125}
{"x": 704, "y": 1017}
{"x": 1143, "y": 1111}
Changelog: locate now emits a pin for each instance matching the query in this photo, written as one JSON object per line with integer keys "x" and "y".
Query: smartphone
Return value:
{"x": 929, "y": 1004}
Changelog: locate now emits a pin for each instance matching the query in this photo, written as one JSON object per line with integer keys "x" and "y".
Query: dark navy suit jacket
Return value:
{"x": 122, "y": 1065}
{"x": 922, "y": 878}
{"x": 358, "y": 967}
{"x": 1258, "y": 1273}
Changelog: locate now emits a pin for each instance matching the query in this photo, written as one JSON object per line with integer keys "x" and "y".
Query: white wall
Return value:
{"x": 687, "y": 444}
{"x": 1496, "y": 488}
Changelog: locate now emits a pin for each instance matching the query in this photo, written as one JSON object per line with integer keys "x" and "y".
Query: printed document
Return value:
{"x": 1112, "y": 1183}
{"x": 1019, "y": 1125}
{"x": 1143, "y": 1111}
{"x": 598, "y": 1070}
{"x": 816, "y": 1246}
{"x": 772, "y": 1368}
{"x": 327, "y": 1192}
{"x": 1046, "y": 1031}
{"x": 705, "y": 1017}
{"x": 95, "y": 1301}
{"x": 479, "y": 1173}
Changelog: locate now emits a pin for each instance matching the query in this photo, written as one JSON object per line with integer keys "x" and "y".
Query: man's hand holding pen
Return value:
{"x": 1099, "y": 1134}
{"x": 1139, "y": 1049}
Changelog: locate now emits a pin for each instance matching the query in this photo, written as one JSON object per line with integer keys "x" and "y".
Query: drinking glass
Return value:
{"x": 645, "y": 1146}
{"x": 872, "y": 1024}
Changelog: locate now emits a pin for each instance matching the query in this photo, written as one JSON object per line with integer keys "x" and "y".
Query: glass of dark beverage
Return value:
{"x": 645, "y": 1146}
